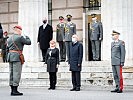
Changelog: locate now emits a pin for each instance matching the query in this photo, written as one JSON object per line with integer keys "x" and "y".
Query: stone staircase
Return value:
{"x": 97, "y": 73}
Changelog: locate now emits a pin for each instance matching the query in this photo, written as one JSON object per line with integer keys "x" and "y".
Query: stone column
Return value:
{"x": 31, "y": 13}
{"x": 85, "y": 37}
{"x": 117, "y": 15}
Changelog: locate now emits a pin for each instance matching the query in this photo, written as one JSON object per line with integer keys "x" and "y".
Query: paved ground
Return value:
{"x": 65, "y": 94}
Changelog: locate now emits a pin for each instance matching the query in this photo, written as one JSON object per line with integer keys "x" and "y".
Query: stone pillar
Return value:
{"x": 31, "y": 13}
{"x": 85, "y": 37}
{"x": 117, "y": 15}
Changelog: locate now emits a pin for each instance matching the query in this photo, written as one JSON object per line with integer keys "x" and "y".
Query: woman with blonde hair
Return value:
{"x": 52, "y": 61}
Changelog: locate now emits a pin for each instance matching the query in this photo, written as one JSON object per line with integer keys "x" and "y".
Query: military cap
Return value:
{"x": 93, "y": 15}
{"x": 115, "y": 32}
{"x": 69, "y": 16}
{"x": 19, "y": 27}
{"x": 61, "y": 17}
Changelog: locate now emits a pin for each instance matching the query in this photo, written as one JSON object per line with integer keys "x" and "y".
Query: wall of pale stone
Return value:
{"x": 64, "y": 7}
{"x": 117, "y": 15}
{"x": 8, "y": 14}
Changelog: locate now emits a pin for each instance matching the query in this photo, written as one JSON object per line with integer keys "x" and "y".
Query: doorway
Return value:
{"x": 90, "y": 55}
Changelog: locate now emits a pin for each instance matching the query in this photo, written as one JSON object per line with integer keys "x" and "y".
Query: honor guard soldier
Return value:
{"x": 96, "y": 36}
{"x": 117, "y": 60}
{"x": 15, "y": 44}
{"x": 70, "y": 29}
{"x": 60, "y": 38}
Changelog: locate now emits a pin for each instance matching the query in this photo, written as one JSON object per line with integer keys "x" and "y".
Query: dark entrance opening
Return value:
{"x": 90, "y": 55}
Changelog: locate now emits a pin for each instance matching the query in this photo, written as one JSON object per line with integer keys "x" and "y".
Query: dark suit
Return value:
{"x": 96, "y": 36}
{"x": 1, "y": 35}
{"x": 60, "y": 36}
{"x": 52, "y": 59}
{"x": 117, "y": 61}
{"x": 44, "y": 37}
{"x": 1, "y": 31}
{"x": 76, "y": 55}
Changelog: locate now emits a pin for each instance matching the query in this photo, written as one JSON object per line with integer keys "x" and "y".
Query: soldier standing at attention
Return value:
{"x": 117, "y": 60}
{"x": 70, "y": 29}
{"x": 15, "y": 45}
{"x": 96, "y": 36}
{"x": 60, "y": 34}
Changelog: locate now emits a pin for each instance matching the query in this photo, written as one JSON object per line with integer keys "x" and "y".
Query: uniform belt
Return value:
{"x": 15, "y": 51}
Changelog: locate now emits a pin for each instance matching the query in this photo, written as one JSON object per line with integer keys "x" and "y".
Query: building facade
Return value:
{"x": 115, "y": 15}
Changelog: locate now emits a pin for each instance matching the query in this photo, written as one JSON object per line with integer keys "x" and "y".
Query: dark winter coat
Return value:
{"x": 76, "y": 55}
{"x": 52, "y": 60}
{"x": 44, "y": 36}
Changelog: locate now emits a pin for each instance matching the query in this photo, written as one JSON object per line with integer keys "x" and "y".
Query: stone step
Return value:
{"x": 64, "y": 67}
{"x": 94, "y": 73}
{"x": 66, "y": 82}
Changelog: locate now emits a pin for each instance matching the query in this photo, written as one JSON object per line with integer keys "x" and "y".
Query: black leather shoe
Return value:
{"x": 119, "y": 91}
{"x": 16, "y": 94}
{"x": 73, "y": 89}
{"x": 115, "y": 90}
{"x": 49, "y": 88}
{"x": 93, "y": 59}
{"x": 77, "y": 89}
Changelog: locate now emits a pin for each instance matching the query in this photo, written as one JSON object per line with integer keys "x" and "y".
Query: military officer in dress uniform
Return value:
{"x": 96, "y": 36}
{"x": 70, "y": 29}
{"x": 15, "y": 44}
{"x": 60, "y": 34}
{"x": 117, "y": 60}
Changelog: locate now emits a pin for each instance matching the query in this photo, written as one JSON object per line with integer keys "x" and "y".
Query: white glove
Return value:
{"x": 23, "y": 35}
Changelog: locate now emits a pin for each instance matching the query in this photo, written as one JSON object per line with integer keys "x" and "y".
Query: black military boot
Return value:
{"x": 15, "y": 92}
{"x": 115, "y": 90}
{"x": 119, "y": 91}
{"x": 11, "y": 89}
{"x": 77, "y": 89}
